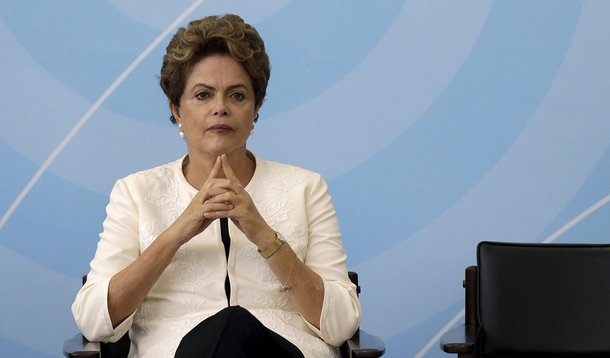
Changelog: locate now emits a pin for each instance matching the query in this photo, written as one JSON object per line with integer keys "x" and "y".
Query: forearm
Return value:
{"x": 129, "y": 287}
{"x": 305, "y": 287}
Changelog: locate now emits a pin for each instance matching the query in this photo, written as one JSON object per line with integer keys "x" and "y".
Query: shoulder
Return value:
{"x": 274, "y": 171}
{"x": 161, "y": 180}
{"x": 274, "y": 177}
{"x": 158, "y": 173}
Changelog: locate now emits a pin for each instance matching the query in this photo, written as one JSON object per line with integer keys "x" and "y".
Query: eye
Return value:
{"x": 238, "y": 96}
{"x": 202, "y": 95}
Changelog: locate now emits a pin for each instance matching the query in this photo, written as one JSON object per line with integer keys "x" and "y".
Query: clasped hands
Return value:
{"x": 222, "y": 196}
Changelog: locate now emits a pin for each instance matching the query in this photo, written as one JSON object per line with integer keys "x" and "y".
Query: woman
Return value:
{"x": 219, "y": 237}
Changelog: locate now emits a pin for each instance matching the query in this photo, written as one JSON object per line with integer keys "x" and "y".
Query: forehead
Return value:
{"x": 218, "y": 71}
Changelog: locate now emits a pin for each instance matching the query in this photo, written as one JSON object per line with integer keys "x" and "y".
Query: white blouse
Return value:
{"x": 293, "y": 201}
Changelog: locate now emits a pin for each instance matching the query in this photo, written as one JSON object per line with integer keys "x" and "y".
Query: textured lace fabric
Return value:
{"x": 293, "y": 201}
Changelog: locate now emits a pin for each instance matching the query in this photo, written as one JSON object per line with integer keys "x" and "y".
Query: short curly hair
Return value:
{"x": 227, "y": 34}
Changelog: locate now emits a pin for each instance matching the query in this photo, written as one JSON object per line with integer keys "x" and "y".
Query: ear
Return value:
{"x": 256, "y": 109}
{"x": 175, "y": 111}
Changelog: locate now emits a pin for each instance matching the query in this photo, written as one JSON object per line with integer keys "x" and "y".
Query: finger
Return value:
{"x": 217, "y": 210}
{"x": 213, "y": 207}
{"x": 217, "y": 186}
{"x": 216, "y": 169}
{"x": 219, "y": 214}
{"x": 224, "y": 196}
{"x": 226, "y": 168}
{"x": 207, "y": 184}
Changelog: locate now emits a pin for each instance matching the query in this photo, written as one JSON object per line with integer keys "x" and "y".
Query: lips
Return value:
{"x": 220, "y": 128}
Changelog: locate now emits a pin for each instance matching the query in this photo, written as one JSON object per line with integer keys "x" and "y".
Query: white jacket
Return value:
{"x": 295, "y": 202}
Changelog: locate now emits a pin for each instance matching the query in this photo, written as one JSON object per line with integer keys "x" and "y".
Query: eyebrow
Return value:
{"x": 230, "y": 88}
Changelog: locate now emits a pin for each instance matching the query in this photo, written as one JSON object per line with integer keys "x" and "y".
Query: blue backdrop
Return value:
{"x": 437, "y": 124}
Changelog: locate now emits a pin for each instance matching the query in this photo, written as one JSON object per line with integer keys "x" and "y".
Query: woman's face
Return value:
{"x": 217, "y": 108}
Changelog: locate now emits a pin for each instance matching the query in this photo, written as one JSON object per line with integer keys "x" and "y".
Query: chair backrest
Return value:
{"x": 544, "y": 298}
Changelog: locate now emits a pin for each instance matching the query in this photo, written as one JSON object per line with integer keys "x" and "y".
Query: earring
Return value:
{"x": 181, "y": 133}
{"x": 254, "y": 124}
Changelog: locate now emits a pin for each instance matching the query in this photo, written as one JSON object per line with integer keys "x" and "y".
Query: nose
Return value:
{"x": 220, "y": 106}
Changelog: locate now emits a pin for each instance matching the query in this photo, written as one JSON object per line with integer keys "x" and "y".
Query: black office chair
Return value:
{"x": 361, "y": 345}
{"x": 535, "y": 300}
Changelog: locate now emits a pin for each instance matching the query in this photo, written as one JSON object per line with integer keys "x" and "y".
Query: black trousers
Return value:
{"x": 234, "y": 332}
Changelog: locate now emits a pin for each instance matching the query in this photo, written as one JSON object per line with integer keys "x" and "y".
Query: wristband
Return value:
{"x": 268, "y": 252}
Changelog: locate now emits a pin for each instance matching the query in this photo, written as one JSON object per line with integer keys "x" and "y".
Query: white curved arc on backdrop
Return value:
{"x": 155, "y": 13}
{"x": 580, "y": 217}
{"x": 85, "y": 118}
{"x": 416, "y": 77}
{"x": 517, "y": 198}
{"x": 40, "y": 127}
{"x": 452, "y": 322}
{"x": 554, "y": 236}
{"x": 37, "y": 123}
{"x": 394, "y": 85}
{"x": 19, "y": 304}
{"x": 113, "y": 147}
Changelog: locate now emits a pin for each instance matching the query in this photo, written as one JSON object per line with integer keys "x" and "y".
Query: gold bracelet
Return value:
{"x": 268, "y": 252}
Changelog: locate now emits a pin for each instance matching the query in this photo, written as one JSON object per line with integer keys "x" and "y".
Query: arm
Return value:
{"x": 117, "y": 248}
{"x": 129, "y": 287}
{"x": 305, "y": 287}
{"x": 320, "y": 289}
{"x": 121, "y": 277}
{"x": 341, "y": 310}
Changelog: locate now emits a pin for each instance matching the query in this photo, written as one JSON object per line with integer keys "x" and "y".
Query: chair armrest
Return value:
{"x": 362, "y": 345}
{"x": 79, "y": 347}
{"x": 462, "y": 339}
